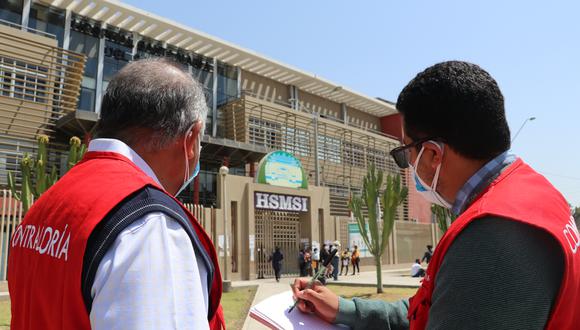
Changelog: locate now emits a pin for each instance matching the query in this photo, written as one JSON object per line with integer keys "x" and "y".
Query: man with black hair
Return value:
{"x": 509, "y": 260}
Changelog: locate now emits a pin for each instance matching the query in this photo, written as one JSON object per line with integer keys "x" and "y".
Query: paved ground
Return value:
{"x": 393, "y": 275}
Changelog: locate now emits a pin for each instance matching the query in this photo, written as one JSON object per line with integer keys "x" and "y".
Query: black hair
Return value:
{"x": 417, "y": 261}
{"x": 460, "y": 104}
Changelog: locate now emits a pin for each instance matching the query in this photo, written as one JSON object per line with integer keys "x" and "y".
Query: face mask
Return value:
{"x": 187, "y": 178}
{"x": 429, "y": 192}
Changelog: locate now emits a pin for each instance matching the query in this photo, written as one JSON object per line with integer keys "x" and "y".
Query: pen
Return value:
{"x": 315, "y": 277}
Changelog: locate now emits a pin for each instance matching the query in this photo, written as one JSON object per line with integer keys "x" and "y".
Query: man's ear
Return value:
{"x": 434, "y": 153}
{"x": 192, "y": 139}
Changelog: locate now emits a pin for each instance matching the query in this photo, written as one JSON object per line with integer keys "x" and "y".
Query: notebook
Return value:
{"x": 273, "y": 313}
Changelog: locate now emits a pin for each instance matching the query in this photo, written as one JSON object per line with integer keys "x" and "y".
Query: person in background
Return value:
{"x": 315, "y": 259}
{"x": 345, "y": 260}
{"x": 355, "y": 260}
{"x": 276, "y": 259}
{"x": 335, "y": 260}
{"x": 301, "y": 263}
{"x": 428, "y": 254}
{"x": 324, "y": 253}
{"x": 417, "y": 270}
{"x": 308, "y": 262}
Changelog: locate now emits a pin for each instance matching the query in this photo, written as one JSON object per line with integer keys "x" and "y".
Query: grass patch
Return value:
{"x": 236, "y": 305}
{"x": 5, "y": 314}
{"x": 389, "y": 294}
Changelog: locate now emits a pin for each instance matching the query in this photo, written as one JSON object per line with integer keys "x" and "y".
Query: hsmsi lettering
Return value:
{"x": 270, "y": 201}
{"x": 44, "y": 240}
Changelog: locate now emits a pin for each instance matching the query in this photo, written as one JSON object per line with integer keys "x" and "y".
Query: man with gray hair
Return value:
{"x": 122, "y": 252}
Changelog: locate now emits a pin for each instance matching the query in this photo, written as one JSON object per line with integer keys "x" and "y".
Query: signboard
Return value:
{"x": 282, "y": 169}
{"x": 355, "y": 238}
{"x": 279, "y": 202}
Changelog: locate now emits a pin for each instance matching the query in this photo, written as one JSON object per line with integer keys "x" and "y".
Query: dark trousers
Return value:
{"x": 335, "y": 270}
{"x": 343, "y": 267}
{"x": 420, "y": 273}
{"x": 355, "y": 266}
{"x": 277, "y": 271}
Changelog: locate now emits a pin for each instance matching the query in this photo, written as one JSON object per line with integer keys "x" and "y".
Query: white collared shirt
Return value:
{"x": 150, "y": 278}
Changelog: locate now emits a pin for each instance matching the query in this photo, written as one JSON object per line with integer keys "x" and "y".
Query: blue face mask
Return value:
{"x": 187, "y": 178}
{"x": 429, "y": 192}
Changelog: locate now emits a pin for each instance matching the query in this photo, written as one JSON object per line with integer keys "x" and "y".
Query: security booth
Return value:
{"x": 277, "y": 208}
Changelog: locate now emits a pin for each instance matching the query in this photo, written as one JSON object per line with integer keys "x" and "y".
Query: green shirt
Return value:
{"x": 497, "y": 274}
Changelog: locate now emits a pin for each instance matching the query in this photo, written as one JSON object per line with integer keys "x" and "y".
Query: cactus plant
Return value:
{"x": 35, "y": 170}
{"x": 76, "y": 152}
{"x": 443, "y": 216}
{"x": 393, "y": 195}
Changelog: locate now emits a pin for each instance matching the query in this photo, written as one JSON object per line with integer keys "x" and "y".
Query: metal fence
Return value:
{"x": 11, "y": 215}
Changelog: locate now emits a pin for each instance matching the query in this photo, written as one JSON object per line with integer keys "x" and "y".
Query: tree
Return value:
{"x": 576, "y": 215}
{"x": 394, "y": 194}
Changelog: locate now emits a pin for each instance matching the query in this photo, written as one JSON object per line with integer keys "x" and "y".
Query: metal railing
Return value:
{"x": 306, "y": 109}
{"x": 11, "y": 215}
{"x": 27, "y": 29}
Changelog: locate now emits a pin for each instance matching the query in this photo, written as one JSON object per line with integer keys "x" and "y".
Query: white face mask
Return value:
{"x": 429, "y": 192}
{"x": 187, "y": 178}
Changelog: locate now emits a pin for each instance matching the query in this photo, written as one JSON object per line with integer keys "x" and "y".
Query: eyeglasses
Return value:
{"x": 402, "y": 154}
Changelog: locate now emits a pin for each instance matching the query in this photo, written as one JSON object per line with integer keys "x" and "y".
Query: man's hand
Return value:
{"x": 318, "y": 300}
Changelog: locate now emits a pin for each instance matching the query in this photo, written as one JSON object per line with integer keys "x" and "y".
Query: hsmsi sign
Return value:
{"x": 279, "y": 202}
{"x": 282, "y": 169}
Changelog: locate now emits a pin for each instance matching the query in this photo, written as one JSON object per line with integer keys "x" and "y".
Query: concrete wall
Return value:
{"x": 321, "y": 105}
{"x": 362, "y": 119}
{"x": 264, "y": 88}
{"x": 240, "y": 190}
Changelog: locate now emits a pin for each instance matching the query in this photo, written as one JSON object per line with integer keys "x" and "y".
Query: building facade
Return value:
{"x": 56, "y": 60}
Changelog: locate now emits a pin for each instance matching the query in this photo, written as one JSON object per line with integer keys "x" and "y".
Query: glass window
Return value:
{"x": 208, "y": 187}
{"x": 329, "y": 148}
{"x": 116, "y": 57}
{"x": 22, "y": 80}
{"x": 227, "y": 84}
{"x": 11, "y": 11}
{"x": 297, "y": 141}
{"x": 49, "y": 20}
{"x": 354, "y": 154}
{"x": 265, "y": 133}
{"x": 88, "y": 45}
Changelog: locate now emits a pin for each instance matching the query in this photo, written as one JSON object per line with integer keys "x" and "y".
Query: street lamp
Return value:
{"x": 521, "y": 127}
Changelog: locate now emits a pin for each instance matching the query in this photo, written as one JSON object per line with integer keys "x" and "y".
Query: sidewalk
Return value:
{"x": 393, "y": 275}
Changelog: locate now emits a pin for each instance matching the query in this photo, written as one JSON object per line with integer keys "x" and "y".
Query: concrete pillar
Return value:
{"x": 100, "y": 66}
{"x": 25, "y": 14}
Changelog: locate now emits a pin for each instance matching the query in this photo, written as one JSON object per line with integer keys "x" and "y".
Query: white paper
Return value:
{"x": 273, "y": 312}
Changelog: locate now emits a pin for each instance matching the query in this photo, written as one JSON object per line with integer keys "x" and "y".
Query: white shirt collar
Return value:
{"x": 118, "y": 146}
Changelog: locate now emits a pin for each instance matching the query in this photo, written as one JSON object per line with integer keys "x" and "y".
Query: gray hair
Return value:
{"x": 151, "y": 102}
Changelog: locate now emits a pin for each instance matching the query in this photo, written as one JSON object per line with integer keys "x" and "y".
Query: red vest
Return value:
{"x": 519, "y": 194}
{"x": 47, "y": 249}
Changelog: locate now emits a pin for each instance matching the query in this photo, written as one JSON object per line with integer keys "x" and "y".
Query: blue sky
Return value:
{"x": 532, "y": 49}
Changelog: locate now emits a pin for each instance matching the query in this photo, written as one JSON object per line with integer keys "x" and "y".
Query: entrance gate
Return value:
{"x": 281, "y": 229}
